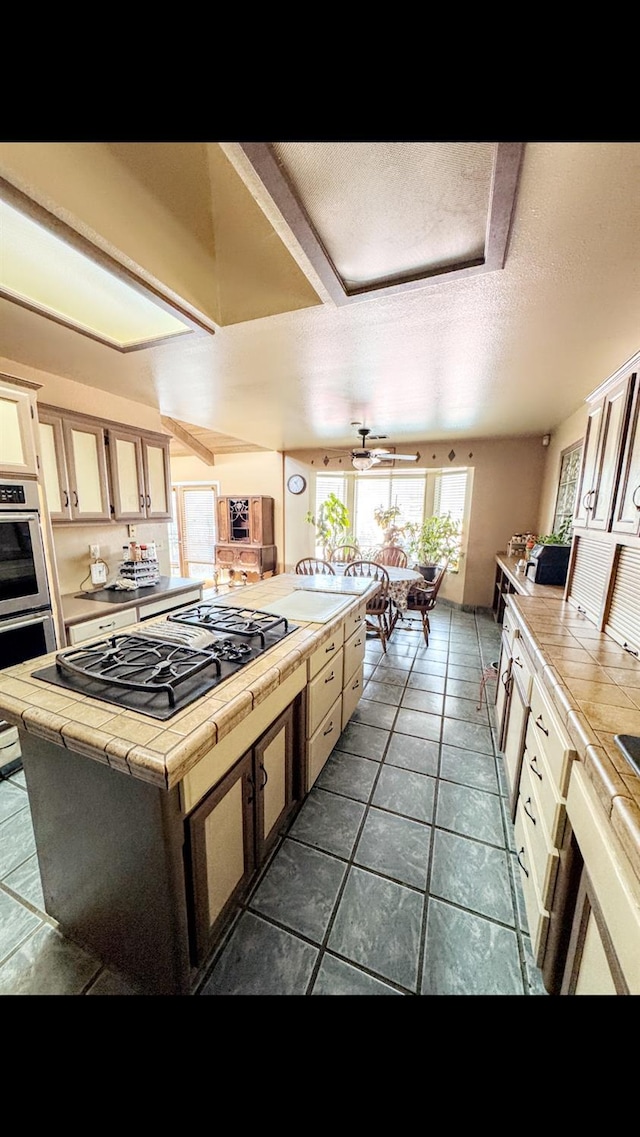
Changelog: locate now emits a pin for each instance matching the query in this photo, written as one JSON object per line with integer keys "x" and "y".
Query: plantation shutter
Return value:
{"x": 589, "y": 576}
{"x": 623, "y": 621}
{"x": 449, "y": 494}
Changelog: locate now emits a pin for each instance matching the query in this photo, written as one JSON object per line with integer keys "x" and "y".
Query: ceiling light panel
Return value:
{"x": 42, "y": 271}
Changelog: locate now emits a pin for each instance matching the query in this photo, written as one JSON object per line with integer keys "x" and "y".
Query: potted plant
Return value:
{"x": 386, "y": 519}
{"x": 332, "y": 524}
{"x": 433, "y": 542}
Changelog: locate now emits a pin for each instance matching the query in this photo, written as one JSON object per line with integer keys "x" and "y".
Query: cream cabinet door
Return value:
{"x": 54, "y": 467}
{"x": 17, "y": 439}
{"x": 86, "y": 456}
{"x": 127, "y": 475}
{"x": 155, "y": 457}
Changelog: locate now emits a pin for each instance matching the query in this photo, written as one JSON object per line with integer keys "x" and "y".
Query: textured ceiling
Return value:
{"x": 507, "y": 352}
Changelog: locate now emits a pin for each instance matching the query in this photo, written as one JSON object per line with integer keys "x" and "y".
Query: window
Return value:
{"x": 568, "y": 485}
{"x": 417, "y": 495}
{"x": 192, "y": 533}
{"x": 449, "y": 494}
{"x": 406, "y": 492}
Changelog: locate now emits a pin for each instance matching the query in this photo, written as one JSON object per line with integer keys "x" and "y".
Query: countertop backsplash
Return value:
{"x": 73, "y": 557}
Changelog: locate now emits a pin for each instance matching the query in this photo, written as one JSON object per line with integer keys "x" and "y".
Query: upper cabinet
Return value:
{"x": 74, "y": 467}
{"x": 17, "y": 430}
{"x": 605, "y": 441}
{"x": 95, "y": 471}
{"x": 626, "y": 510}
{"x": 140, "y": 476}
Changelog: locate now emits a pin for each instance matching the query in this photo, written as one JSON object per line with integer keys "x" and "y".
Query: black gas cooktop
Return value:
{"x": 160, "y": 672}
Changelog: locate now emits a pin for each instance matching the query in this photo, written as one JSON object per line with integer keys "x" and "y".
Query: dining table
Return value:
{"x": 400, "y": 582}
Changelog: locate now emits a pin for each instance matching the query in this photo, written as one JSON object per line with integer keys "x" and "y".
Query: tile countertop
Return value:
{"x": 594, "y": 684}
{"x": 154, "y": 751}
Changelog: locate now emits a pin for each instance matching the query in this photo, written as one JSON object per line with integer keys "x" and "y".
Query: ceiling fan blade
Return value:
{"x": 405, "y": 457}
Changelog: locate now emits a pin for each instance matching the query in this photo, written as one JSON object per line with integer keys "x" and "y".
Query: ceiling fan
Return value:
{"x": 363, "y": 457}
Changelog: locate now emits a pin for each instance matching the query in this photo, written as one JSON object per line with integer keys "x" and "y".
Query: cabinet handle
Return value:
{"x": 330, "y": 679}
{"x": 529, "y": 815}
{"x": 266, "y": 776}
{"x": 66, "y": 499}
{"x": 75, "y": 498}
{"x": 633, "y": 497}
{"x": 102, "y": 627}
{"x": 588, "y": 494}
{"x": 631, "y": 650}
{"x": 356, "y": 685}
{"x": 525, "y": 871}
{"x": 148, "y": 502}
{"x": 141, "y": 501}
{"x": 505, "y": 679}
{"x": 533, "y": 769}
{"x": 516, "y": 659}
{"x": 540, "y": 726}
{"x": 332, "y": 647}
{"x": 358, "y": 643}
{"x": 328, "y": 730}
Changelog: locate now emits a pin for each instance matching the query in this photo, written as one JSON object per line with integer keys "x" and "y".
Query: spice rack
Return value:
{"x": 139, "y": 565}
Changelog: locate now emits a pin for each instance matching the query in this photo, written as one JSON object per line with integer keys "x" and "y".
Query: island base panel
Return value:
{"x": 110, "y": 853}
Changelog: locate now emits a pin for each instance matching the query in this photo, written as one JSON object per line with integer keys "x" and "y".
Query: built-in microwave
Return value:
{"x": 23, "y": 570}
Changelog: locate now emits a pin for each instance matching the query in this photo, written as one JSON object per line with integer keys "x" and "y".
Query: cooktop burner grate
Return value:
{"x": 247, "y": 622}
{"x": 137, "y": 663}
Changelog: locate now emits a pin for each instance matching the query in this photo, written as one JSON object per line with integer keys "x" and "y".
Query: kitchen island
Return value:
{"x": 148, "y": 831}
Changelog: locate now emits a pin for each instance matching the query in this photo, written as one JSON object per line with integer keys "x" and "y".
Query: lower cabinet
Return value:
{"x": 545, "y": 857}
{"x": 229, "y": 835}
{"x": 602, "y": 957}
{"x": 335, "y": 685}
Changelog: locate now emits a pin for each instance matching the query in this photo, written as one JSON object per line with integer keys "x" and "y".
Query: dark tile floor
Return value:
{"x": 398, "y": 876}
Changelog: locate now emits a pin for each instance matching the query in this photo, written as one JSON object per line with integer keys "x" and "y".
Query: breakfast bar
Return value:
{"x": 150, "y": 827}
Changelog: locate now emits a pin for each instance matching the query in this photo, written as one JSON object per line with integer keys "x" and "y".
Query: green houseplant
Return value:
{"x": 434, "y": 541}
{"x": 387, "y": 520}
{"x": 332, "y": 524}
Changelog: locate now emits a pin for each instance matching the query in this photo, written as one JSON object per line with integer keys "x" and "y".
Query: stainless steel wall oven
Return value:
{"x": 27, "y": 628}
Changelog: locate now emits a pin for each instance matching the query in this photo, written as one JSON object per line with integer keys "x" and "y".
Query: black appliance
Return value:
{"x": 27, "y": 628}
{"x": 548, "y": 564}
{"x": 163, "y": 670}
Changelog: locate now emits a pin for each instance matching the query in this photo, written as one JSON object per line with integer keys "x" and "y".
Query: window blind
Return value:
{"x": 449, "y": 494}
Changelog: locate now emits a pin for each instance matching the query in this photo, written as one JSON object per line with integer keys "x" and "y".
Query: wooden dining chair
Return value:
{"x": 422, "y": 599}
{"x": 343, "y": 554}
{"x": 378, "y": 610}
{"x": 392, "y": 555}
{"x": 308, "y": 566}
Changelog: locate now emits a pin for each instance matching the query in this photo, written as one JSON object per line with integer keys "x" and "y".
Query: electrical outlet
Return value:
{"x": 95, "y": 551}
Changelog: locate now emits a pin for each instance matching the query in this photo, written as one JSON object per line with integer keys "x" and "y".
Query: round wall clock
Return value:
{"x": 296, "y": 483}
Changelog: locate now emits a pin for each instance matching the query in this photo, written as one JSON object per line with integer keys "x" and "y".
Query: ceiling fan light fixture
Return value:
{"x": 362, "y": 461}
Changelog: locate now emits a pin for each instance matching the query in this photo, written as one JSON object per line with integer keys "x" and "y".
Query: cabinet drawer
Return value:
{"x": 102, "y": 626}
{"x": 328, "y": 651}
{"x": 548, "y": 732}
{"x": 522, "y": 668}
{"x": 352, "y": 693}
{"x": 164, "y": 605}
{"x": 355, "y": 620}
{"x": 542, "y": 854}
{"x": 537, "y": 916}
{"x": 553, "y": 806}
{"x": 510, "y": 629}
{"x": 322, "y": 692}
{"x": 323, "y": 741}
{"x": 354, "y": 648}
